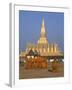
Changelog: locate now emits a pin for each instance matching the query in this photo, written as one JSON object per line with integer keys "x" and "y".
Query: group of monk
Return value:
{"x": 41, "y": 63}
{"x": 36, "y": 63}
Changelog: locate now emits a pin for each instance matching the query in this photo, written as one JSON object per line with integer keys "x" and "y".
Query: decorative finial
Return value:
{"x": 43, "y": 22}
{"x": 43, "y": 28}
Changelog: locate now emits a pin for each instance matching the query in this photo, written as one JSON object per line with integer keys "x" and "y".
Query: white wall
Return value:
{"x": 4, "y": 46}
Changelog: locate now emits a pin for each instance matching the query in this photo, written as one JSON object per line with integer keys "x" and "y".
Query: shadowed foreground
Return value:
{"x": 38, "y": 73}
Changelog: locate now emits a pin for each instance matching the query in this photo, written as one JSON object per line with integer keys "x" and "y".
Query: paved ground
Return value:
{"x": 38, "y": 73}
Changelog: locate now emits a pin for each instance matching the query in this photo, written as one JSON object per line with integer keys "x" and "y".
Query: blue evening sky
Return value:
{"x": 30, "y": 26}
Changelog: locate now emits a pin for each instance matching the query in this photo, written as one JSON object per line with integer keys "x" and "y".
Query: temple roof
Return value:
{"x": 32, "y": 53}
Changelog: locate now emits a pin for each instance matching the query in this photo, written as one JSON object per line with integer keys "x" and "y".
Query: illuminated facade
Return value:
{"x": 43, "y": 47}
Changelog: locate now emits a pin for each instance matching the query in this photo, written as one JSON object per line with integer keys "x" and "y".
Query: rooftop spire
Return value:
{"x": 43, "y": 22}
{"x": 43, "y": 40}
{"x": 43, "y": 28}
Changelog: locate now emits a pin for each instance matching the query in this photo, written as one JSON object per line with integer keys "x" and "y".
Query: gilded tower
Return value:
{"x": 42, "y": 43}
{"x": 42, "y": 40}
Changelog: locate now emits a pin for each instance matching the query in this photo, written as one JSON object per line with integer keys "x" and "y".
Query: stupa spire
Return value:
{"x": 43, "y": 40}
{"x": 43, "y": 22}
{"x": 43, "y": 28}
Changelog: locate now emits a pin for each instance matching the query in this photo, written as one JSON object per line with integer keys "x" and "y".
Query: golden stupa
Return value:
{"x": 43, "y": 47}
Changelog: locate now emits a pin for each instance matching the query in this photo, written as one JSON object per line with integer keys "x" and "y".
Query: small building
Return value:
{"x": 32, "y": 54}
